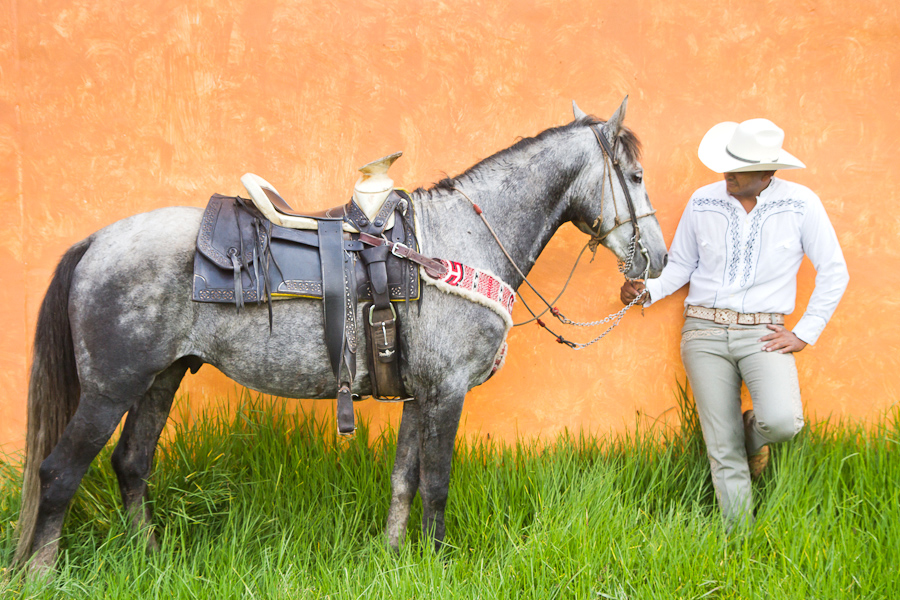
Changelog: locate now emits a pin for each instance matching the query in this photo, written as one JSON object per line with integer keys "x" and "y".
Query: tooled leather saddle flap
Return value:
{"x": 233, "y": 232}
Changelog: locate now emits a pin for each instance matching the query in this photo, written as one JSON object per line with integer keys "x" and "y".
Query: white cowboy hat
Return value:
{"x": 753, "y": 145}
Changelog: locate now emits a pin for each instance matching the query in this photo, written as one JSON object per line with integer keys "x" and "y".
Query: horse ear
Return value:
{"x": 612, "y": 127}
{"x": 579, "y": 114}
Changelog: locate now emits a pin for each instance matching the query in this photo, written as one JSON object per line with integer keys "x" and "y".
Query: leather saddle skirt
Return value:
{"x": 240, "y": 252}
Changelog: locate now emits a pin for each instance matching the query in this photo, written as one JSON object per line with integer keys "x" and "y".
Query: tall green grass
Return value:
{"x": 265, "y": 503}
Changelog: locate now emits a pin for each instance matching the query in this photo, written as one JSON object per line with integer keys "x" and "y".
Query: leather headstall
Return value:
{"x": 600, "y": 134}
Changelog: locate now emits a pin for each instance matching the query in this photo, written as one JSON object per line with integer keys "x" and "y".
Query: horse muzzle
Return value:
{"x": 647, "y": 264}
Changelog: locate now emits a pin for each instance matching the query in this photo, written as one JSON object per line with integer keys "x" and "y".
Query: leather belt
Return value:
{"x": 727, "y": 316}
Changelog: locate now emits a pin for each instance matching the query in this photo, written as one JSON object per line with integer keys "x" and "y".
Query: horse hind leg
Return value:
{"x": 405, "y": 476}
{"x": 133, "y": 456}
{"x": 61, "y": 472}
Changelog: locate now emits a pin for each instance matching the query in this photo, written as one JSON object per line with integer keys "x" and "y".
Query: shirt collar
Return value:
{"x": 765, "y": 195}
{"x": 769, "y": 192}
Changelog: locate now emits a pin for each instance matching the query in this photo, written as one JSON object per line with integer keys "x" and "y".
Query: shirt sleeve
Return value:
{"x": 683, "y": 260}
{"x": 820, "y": 244}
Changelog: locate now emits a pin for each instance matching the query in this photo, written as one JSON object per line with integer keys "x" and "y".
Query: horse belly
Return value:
{"x": 290, "y": 361}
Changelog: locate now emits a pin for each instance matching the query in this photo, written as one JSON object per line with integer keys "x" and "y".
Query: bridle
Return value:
{"x": 611, "y": 163}
{"x": 609, "y": 156}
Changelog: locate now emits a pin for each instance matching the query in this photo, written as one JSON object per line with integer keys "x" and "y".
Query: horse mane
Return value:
{"x": 627, "y": 140}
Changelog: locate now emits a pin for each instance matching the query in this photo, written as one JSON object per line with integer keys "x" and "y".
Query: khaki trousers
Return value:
{"x": 717, "y": 358}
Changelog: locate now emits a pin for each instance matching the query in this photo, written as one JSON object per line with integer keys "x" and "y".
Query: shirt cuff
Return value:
{"x": 655, "y": 290}
{"x": 809, "y": 328}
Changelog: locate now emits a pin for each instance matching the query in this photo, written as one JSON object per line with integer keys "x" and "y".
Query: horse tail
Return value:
{"x": 53, "y": 390}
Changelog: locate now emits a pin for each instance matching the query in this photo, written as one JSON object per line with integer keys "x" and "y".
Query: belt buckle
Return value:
{"x": 396, "y": 246}
{"x": 372, "y": 311}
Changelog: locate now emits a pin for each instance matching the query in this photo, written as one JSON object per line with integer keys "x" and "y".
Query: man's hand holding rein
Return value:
{"x": 630, "y": 291}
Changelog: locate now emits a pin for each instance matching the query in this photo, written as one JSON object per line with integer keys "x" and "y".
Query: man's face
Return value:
{"x": 747, "y": 185}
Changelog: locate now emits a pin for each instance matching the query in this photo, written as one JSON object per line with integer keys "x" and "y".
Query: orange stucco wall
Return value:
{"x": 109, "y": 108}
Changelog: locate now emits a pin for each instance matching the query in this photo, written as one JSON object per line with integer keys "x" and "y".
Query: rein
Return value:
{"x": 608, "y": 157}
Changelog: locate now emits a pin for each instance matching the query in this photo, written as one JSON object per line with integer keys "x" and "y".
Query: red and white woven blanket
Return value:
{"x": 482, "y": 287}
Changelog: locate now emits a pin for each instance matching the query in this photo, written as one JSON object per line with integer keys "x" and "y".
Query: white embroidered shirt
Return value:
{"x": 748, "y": 262}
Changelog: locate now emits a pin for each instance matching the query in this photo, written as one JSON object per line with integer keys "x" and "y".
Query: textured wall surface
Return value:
{"x": 110, "y": 108}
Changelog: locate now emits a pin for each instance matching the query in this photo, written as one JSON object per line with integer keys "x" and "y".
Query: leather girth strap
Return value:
{"x": 380, "y": 320}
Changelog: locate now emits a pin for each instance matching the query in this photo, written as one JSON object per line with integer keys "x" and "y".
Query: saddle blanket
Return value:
{"x": 481, "y": 287}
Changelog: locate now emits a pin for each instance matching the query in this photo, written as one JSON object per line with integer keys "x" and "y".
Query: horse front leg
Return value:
{"x": 439, "y": 423}
{"x": 133, "y": 456}
{"x": 405, "y": 476}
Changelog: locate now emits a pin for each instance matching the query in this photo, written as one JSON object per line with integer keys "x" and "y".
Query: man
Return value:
{"x": 739, "y": 245}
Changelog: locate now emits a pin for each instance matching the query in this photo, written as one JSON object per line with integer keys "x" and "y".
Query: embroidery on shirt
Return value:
{"x": 755, "y": 230}
{"x": 734, "y": 231}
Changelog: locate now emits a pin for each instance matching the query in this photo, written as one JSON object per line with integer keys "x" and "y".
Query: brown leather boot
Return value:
{"x": 759, "y": 461}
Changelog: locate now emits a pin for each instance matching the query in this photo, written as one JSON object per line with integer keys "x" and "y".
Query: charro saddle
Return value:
{"x": 243, "y": 257}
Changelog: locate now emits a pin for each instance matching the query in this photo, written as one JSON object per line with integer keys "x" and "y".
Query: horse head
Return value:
{"x": 610, "y": 202}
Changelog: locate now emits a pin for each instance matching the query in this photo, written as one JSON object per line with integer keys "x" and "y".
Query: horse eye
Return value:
{"x": 637, "y": 177}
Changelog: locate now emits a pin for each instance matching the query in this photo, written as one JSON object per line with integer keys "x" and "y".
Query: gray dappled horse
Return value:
{"x": 117, "y": 329}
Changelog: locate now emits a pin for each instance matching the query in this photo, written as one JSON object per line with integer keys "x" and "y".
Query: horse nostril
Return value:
{"x": 665, "y": 260}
